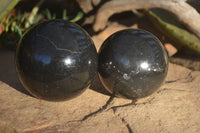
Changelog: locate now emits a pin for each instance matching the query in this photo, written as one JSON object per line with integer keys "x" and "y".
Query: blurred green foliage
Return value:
{"x": 16, "y": 24}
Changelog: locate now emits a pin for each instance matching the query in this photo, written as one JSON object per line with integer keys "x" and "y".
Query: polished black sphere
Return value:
{"x": 132, "y": 63}
{"x": 56, "y": 60}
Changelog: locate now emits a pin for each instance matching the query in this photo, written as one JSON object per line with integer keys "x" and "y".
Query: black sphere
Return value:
{"x": 56, "y": 60}
{"x": 132, "y": 63}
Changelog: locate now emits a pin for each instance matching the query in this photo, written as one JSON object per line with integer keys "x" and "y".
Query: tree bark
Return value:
{"x": 184, "y": 12}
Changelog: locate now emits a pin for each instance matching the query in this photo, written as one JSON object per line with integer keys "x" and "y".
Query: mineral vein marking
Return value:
{"x": 55, "y": 44}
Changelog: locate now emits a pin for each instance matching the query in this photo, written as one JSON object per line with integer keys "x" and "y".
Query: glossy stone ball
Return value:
{"x": 56, "y": 60}
{"x": 132, "y": 63}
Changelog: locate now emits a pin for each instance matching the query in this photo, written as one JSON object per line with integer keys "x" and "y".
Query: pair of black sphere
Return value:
{"x": 56, "y": 60}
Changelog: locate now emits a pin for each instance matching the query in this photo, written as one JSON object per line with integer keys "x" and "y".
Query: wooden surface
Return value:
{"x": 174, "y": 108}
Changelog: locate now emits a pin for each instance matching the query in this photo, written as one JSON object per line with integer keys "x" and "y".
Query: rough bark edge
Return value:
{"x": 184, "y": 12}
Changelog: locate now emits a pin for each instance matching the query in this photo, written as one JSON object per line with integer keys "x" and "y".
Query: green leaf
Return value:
{"x": 8, "y": 23}
{"x": 173, "y": 29}
{"x": 33, "y": 14}
{"x": 64, "y": 15}
{"x": 78, "y": 17}
{"x": 18, "y": 30}
{"x": 37, "y": 18}
{"x": 54, "y": 16}
{"x": 47, "y": 14}
{"x": 5, "y": 7}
